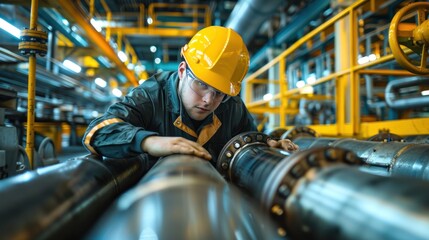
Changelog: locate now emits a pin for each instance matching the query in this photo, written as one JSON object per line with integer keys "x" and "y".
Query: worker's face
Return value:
{"x": 199, "y": 99}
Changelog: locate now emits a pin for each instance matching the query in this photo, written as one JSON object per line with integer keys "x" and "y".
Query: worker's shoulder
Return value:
{"x": 158, "y": 80}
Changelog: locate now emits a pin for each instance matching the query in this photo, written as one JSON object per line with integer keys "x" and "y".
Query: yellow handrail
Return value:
{"x": 348, "y": 123}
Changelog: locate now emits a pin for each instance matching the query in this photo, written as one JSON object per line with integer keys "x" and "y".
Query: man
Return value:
{"x": 194, "y": 110}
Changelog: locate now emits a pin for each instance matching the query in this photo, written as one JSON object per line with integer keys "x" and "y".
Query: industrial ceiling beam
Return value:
{"x": 96, "y": 38}
{"x": 162, "y": 32}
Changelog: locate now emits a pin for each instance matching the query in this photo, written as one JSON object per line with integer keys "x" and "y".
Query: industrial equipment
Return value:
{"x": 320, "y": 193}
{"x": 184, "y": 197}
{"x": 63, "y": 200}
{"x": 414, "y": 36}
{"x": 13, "y": 159}
{"x": 386, "y": 157}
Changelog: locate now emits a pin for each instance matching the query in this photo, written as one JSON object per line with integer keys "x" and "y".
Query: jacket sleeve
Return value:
{"x": 118, "y": 133}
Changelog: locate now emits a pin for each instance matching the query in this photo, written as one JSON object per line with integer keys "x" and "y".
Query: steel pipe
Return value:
{"x": 394, "y": 100}
{"x": 62, "y": 201}
{"x": 269, "y": 174}
{"x": 340, "y": 202}
{"x": 387, "y": 158}
{"x": 318, "y": 193}
{"x": 417, "y": 139}
{"x": 183, "y": 197}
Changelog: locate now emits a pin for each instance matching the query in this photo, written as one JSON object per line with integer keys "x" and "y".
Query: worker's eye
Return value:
{"x": 201, "y": 85}
{"x": 219, "y": 94}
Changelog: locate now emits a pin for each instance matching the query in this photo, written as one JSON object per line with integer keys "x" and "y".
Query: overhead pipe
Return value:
{"x": 319, "y": 193}
{"x": 63, "y": 201}
{"x": 248, "y": 15}
{"x": 394, "y": 101}
{"x": 302, "y": 18}
{"x": 97, "y": 39}
{"x": 183, "y": 197}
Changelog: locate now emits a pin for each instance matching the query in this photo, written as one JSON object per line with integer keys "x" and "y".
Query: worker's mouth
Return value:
{"x": 203, "y": 109}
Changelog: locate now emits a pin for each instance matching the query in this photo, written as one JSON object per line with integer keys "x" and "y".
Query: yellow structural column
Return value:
{"x": 29, "y": 146}
{"x": 283, "y": 88}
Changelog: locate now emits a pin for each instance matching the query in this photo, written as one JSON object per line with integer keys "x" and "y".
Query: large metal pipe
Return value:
{"x": 341, "y": 202}
{"x": 62, "y": 201}
{"x": 417, "y": 139}
{"x": 387, "y": 158}
{"x": 248, "y": 15}
{"x": 314, "y": 194}
{"x": 269, "y": 174}
{"x": 183, "y": 197}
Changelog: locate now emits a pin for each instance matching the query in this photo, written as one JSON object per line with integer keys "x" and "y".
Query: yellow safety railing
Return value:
{"x": 160, "y": 13}
{"x": 284, "y": 102}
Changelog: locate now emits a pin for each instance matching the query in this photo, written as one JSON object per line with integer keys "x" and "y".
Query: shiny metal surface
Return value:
{"x": 321, "y": 193}
{"x": 310, "y": 142}
{"x": 298, "y": 132}
{"x": 62, "y": 201}
{"x": 183, "y": 197}
{"x": 341, "y": 202}
{"x": 269, "y": 175}
{"x": 417, "y": 139}
{"x": 396, "y": 158}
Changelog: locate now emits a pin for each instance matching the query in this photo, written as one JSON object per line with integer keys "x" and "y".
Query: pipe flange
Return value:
{"x": 226, "y": 156}
{"x": 386, "y": 136}
{"x": 275, "y": 133}
{"x": 297, "y": 132}
{"x": 33, "y": 42}
{"x": 285, "y": 176}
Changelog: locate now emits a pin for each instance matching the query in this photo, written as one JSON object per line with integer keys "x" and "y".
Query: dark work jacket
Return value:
{"x": 153, "y": 108}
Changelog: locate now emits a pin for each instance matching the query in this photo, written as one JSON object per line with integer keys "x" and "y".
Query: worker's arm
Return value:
{"x": 119, "y": 132}
{"x": 162, "y": 146}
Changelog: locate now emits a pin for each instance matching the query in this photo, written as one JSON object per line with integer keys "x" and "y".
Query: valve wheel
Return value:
{"x": 411, "y": 35}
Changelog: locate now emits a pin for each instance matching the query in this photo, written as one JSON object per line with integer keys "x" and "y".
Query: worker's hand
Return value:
{"x": 284, "y": 144}
{"x": 162, "y": 146}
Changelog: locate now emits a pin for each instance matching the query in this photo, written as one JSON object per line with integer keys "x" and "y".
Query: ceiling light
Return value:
{"x": 130, "y": 66}
{"x": 117, "y": 92}
{"x": 10, "y": 28}
{"x": 425, "y": 93}
{"x": 157, "y": 60}
{"x": 268, "y": 97}
{"x": 300, "y": 84}
{"x": 122, "y": 56}
{"x": 72, "y": 66}
{"x": 311, "y": 78}
{"x": 65, "y": 22}
{"x": 153, "y": 49}
{"x": 149, "y": 20}
{"x": 95, "y": 24}
{"x": 100, "y": 82}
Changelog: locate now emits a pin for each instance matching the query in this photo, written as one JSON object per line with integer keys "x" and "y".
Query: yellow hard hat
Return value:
{"x": 218, "y": 57}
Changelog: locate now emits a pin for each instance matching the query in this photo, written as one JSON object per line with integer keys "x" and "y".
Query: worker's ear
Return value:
{"x": 181, "y": 70}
